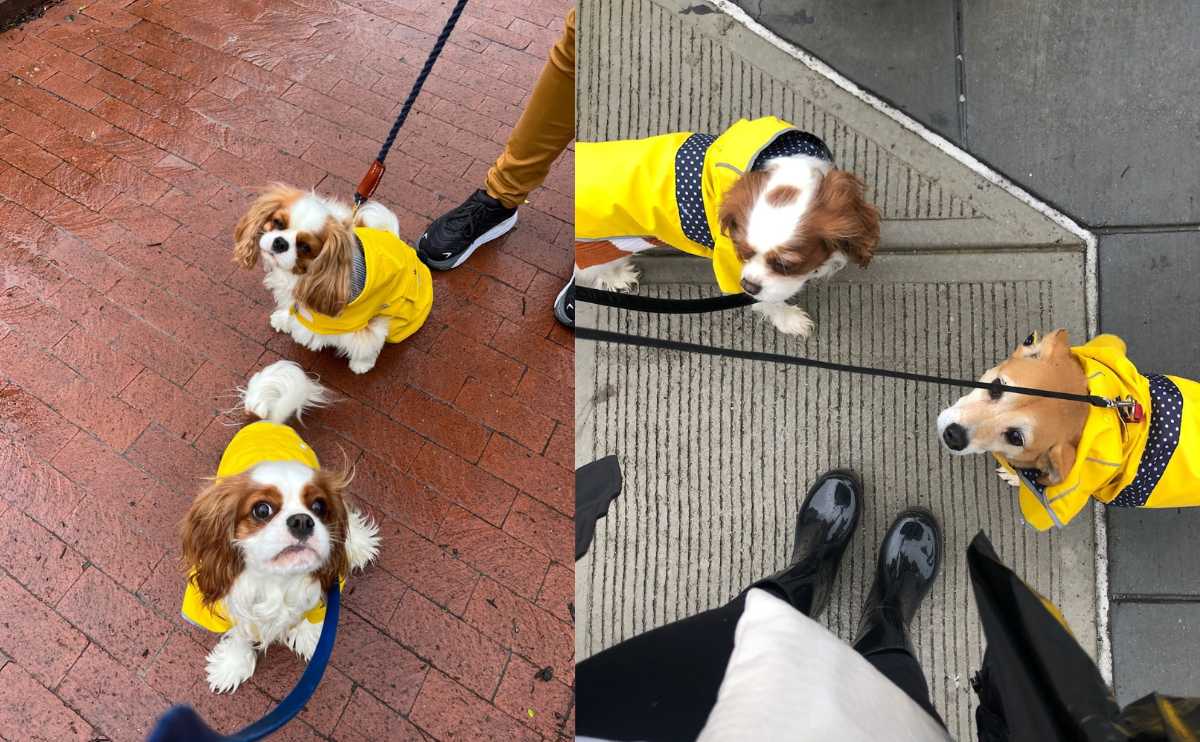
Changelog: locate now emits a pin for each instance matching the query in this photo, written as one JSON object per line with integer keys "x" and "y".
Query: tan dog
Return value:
{"x": 1061, "y": 453}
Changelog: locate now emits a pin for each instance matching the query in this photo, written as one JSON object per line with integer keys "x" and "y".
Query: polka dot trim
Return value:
{"x": 1166, "y": 413}
{"x": 1029, "y": 477}
{"x": 790, "y": 144}
{"x": 689, "y": 192}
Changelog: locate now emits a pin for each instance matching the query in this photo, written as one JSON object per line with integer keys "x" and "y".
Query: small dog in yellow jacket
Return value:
{"x": 1062, "y": 453}
{"x": 340, "y": 280}
{"x": 763, "y": 201}
{"x": 265, "y": 541}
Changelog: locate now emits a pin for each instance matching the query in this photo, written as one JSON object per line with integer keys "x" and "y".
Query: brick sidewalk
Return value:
{"x": 130, "y": 133}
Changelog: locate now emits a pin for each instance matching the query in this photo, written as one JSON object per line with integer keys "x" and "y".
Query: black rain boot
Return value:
{"x": 824, "y": 525}
{"x": 909, "y": 559}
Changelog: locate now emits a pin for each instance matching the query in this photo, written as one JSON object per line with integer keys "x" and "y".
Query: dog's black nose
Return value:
{"x": 750, "y": 287}
{"x": 301, "y": 525}
{"x": 955, "y": 437}
{"x": 279, "y": 245}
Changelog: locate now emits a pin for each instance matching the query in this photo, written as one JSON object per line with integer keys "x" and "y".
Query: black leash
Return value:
{"x": 366, "y": 187}
{"x": 791, "y": 360}
{"x": 653, "y": 304}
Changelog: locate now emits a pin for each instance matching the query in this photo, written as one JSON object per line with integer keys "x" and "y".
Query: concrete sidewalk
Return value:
{"x": 131, "y": 134}
{"x": 1093, "y": 107}
{"x": 717, "y": 453}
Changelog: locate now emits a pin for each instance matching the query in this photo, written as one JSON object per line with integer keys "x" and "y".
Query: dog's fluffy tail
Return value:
{"x": 281, "y": 391}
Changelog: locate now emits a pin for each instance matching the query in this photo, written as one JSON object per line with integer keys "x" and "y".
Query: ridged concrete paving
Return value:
{"x": 653, "y": 66}
{"x": 717, "y": 453}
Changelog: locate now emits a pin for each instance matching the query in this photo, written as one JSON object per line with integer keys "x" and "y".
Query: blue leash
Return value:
{"x": 182, "y": 723}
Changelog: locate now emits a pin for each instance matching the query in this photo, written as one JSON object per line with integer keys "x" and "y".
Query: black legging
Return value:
{"x": 661, "y": 685}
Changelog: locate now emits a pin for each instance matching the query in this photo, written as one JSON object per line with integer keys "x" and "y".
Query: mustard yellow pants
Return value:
{"x": 546, "y": 127}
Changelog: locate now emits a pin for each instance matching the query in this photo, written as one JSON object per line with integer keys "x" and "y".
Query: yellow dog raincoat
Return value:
{"x": 1154, "y": 463}
{"x": 398, "y": 286}
{"x": 253, "y": 444}
{"x": 670, "y": 187}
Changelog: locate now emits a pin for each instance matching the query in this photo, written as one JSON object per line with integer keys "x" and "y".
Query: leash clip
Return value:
{"x": 368, "y": 184}
{"x": 1129, "y": 409}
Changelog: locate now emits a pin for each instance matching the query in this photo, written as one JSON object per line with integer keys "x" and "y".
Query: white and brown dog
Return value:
{"x": 267, "y": 538}
{"x": 1062, "y": 453}
{"x": 340, "y": 280}
{"x": 762, "y": 201}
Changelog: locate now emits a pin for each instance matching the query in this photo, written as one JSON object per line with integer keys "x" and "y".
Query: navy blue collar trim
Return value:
{"x": 1166, "y": 414}
{"x": 689, "y": 190}
{"x": 790, "y": 144}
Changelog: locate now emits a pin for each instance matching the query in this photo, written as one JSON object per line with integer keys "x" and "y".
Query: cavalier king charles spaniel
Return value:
{"x": 795, "y": 220}
{"x": 265, "y": 540}
{"x": 340, "y": 279}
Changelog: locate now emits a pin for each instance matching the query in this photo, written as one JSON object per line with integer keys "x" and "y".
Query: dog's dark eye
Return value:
{"x": 262, "y": 510}
{"x": 1014, "y": 437}
{"x": 1031, "y": 339}
{"x": 319, "y": 508}
{"x": 273, "y": 225}
{"x": 776, "y": 265}
{"x": 303, "y": 248}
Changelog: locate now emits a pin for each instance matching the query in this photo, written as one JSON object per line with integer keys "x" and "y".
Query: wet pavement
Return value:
{"x": 131, "y": 135}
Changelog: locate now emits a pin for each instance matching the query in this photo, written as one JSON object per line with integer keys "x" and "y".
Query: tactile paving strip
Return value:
{"x": 717, "y": 453}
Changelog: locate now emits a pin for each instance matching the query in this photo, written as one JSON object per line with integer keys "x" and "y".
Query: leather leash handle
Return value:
{"x": 368, "y": 184}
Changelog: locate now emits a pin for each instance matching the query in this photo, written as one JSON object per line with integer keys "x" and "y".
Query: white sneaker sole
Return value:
{"x": 495, "y": 232}
{"x": 558, "y": 315}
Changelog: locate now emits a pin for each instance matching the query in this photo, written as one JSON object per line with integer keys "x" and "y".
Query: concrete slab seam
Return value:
{"x": 1091, "y": 289}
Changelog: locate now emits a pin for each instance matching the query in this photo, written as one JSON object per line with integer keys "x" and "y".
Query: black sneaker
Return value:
{"x": 564, "y": 305}
{"x": 453, "y": 236}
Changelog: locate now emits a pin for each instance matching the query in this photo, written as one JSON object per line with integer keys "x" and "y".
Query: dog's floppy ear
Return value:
{"x": 331, "y": 486}
{"x": 843, "y": 217}
{"x": 737, "y": 202}
{"x": 208, "y": 532}
{"x": 1056, "y": 463}
{"x": 325, "y": 286}
{"x": 250, "y": 226}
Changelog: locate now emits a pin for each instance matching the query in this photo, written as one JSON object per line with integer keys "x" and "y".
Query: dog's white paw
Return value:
{"x": 281, "y": 319}
{"x": 230, "y": 664}
{"x": 303, "y": 637}
{"x": 362, "y": 540}
{"x": 1008, "y": 477}
{"x": 624, "y": 276}
{"x": 361, "y": 365}
{"x": 787, "y": 319}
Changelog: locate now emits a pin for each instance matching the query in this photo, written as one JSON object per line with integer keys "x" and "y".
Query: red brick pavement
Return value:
{"x": 129, "y": 135}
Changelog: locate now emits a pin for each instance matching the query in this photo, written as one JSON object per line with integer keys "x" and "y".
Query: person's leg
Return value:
{"x": 661, "y": 685}
{"x": 545, "y": 128}
{"x": 903, "y": 669}
{"x": 909, "y": 560}
{"x": 657, "y": 686}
